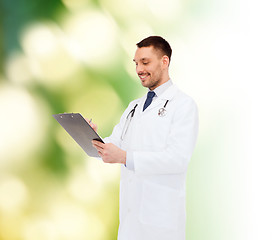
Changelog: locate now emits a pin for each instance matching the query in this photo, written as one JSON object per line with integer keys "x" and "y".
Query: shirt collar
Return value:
{"x": 159, "y": 90}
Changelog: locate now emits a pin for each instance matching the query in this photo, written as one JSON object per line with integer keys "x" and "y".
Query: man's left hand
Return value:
{"x": 110, "y": 153}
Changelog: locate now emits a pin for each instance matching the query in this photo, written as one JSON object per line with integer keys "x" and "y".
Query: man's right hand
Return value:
{"x": 94, "y": 126}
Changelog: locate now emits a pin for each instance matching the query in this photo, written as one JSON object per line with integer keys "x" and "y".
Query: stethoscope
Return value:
{"x": 161, "y": 113}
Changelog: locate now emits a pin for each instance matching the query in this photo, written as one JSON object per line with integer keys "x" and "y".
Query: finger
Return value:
{"x": 98, "y": 146}
{"x": 100, "y": 153}
{"x": 87, "y": 120}
{"x": 97, "y": 143}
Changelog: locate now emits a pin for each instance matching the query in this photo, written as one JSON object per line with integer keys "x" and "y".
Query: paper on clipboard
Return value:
{"x": 80, "y": 131}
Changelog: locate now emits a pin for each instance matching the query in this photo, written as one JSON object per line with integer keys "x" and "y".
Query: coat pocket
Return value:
{"x": 160, "y": 206}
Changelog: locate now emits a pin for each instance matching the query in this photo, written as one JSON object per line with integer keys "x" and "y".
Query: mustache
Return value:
{"x": 143, "y": 73}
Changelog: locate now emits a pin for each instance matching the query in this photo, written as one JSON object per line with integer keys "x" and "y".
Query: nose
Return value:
{"x": 139, "y": 68}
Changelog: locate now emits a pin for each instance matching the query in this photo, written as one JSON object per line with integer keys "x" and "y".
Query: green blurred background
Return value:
{"x": 76, "y": 56}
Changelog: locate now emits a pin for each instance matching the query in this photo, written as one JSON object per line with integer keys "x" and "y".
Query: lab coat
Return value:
{"x": 152, "y": 197}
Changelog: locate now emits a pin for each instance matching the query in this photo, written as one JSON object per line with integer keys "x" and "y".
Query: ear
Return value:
{"x": 165, "y": 61}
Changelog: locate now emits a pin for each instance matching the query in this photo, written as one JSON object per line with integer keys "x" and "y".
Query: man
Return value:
{"x": 153, "y": 142}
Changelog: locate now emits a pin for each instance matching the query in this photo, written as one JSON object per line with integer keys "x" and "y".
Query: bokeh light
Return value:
{"x": 44, "y": 45}
{"x": 88, "y": 29}
{"x": 13, "y": 194}
{"x": 21, "y": 122}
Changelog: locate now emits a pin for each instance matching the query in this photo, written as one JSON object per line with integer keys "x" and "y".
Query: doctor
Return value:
{"x": 153, "y": 142}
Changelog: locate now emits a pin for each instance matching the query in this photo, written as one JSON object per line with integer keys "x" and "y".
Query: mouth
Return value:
{"x": 143, "y": 76}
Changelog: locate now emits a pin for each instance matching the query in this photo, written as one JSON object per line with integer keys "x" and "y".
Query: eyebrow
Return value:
{"x": 142, "y": 59}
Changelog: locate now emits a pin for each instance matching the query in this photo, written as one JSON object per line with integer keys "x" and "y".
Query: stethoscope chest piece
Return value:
{"x": 162, "y": 112}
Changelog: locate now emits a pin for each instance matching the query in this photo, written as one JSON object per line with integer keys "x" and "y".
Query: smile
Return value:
{"x": 143, "y": 76}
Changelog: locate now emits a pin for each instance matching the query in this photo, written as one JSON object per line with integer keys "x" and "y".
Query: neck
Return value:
{"x": 163, "y": 80}
{"x": 165, "y": 77}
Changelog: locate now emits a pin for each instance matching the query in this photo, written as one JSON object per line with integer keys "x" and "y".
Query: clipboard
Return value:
{"x": 80, "y": 131}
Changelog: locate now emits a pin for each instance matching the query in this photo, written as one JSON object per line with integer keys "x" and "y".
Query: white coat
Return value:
{"x": 152, "y": 197}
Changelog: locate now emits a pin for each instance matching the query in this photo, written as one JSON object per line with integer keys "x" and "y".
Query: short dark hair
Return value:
{"x": 158, "y": 43}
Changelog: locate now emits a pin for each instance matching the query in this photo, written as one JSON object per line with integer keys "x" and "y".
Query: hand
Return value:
{"x": 94, "y": 126}
{"x": 110, "y": 153}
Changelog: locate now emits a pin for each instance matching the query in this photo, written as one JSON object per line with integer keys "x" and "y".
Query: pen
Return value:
{"x": 90, "y": 121}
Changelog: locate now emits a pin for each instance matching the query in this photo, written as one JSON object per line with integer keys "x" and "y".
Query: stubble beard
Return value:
{"x": 154, "y": 84}
{"x": 154, "y": 81}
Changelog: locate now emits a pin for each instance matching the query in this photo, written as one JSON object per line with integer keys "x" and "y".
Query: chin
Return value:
{"x": 145, "y": 85}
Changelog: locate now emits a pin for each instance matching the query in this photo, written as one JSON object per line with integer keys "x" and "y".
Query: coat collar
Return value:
{"x": 168, "y": 94}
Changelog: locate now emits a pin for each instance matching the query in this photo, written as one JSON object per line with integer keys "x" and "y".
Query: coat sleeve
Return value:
{"x": 180, "y": 143}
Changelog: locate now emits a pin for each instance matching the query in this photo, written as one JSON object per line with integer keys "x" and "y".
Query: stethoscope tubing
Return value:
{"x": 131, "y": 114}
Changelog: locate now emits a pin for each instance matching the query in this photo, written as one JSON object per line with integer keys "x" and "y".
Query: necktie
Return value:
{"x": 149, "y": 98}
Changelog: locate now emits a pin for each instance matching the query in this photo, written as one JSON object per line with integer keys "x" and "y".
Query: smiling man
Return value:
{"x": 149, "y": 68}
{"x": 153, "y": 142}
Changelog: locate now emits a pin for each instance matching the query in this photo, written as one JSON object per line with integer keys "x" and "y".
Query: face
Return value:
{"x": 151, "y": 67}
